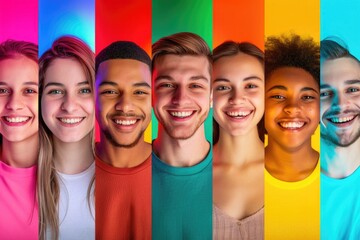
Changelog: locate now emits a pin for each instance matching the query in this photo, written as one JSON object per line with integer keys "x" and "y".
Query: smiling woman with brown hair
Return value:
{"x": 238, "y": 172}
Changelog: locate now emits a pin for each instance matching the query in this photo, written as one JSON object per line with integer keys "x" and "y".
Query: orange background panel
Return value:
{"x": 238, "y": 21}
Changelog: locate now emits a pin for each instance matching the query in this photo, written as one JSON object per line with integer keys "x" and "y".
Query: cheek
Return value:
{"x": 89, "y": 106}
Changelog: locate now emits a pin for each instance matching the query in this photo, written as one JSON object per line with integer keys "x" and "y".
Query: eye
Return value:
{"x": 4, "y": 91}
{"x": 222, "y": 88}
{"x": 55, "y": 91}
{"x": 326, "y": 94}
{"x": 251, "y": 86}
{"x": 352, "y": 90}
{"x": 166, "y": 85}
{"x": 195, "y": 85}
{"x": 30, "y": 91}
{"x": 139, "y": 92}
{"x": 307, "y": 98}
{"x": 85, "y": 91}
{"x": 278, "y": 97}
{"x": 108, "y": 92}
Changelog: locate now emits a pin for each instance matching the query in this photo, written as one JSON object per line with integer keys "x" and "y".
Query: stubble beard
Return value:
{"x": 112, "y": 140}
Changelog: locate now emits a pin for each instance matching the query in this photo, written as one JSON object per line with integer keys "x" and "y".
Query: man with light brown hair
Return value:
{"x": 182, "y": 159}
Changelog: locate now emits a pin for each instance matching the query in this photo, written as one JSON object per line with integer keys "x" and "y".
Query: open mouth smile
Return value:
{"x": 238, "y": 114}
{"x": 16, "y": 119}
{"x": 340, "y": 120}
{"x": 292, "y": 125}
{"x": 71, "y": 120}
{"x": 125, "y": 122}
{"x": 181, "y": 114}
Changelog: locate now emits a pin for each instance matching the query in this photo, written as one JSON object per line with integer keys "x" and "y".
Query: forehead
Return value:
{"x": 337, "y": 71}
{"x": 177, "y": 66}
{"x": 240, "y": 63}
{"x": 292, "y": 78}
{"x": 18, "y": 70}
{"x": 123, "y": 71}
{"x": 65, "y": 70}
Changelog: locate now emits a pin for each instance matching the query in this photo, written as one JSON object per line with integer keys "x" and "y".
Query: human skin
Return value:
{"x": 123, "y": 111}
{"x": 181, "y": 104}
{"x": 238, "y": 169}
{"x": 67, "y": 101}
{"x": 18, "y": 99}
{"x": 291, "y": 117}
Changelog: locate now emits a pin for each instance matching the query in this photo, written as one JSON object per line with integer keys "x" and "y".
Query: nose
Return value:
{"x": 181, "y": 96}
{"x": 292, "y": 108}
{"x": 70, "y": 103}
{"x": 237, "y": 97}
{"x": 339, "y": 100}
{"x": 15, "y": 102}
{"x": 124, "y": 104}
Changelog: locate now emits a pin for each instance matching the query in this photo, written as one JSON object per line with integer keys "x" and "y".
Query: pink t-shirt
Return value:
{"x": 18, "y": 204}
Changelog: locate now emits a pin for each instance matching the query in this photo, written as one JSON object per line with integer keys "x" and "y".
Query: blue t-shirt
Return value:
{"x": 182, "y": 200}
{"x": 340, "y": 207}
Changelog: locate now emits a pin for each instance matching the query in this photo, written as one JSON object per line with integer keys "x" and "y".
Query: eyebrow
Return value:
{"x": 281, "y": 87}
{"x": 62, "y": 85}
{"x": 114, "y": 84}
{"x": 245, "y": 79}
{"x": 193, "y": 78}
{"x": 25, "y": 83}
{"x": 352, "y": 81}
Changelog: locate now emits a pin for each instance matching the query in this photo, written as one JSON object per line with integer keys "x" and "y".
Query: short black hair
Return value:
{"x": 292, "y": 51}
{"x": 332, "y": 49}
{"x": 122, "y": 50}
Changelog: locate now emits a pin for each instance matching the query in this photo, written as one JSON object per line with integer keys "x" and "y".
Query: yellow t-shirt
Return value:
{"x": 292, "y": 209}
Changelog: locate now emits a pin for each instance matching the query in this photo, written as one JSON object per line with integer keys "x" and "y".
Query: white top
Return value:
{"x": 75, "y": 218}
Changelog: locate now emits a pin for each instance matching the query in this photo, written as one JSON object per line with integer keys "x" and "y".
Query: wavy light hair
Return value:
{"x": 66, "y": 47}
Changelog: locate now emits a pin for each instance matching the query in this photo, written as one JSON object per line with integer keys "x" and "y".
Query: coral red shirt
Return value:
{"x": 123, "y": 201}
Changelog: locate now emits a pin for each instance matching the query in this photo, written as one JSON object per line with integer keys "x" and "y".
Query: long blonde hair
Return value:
{"x": 48, "y": 184}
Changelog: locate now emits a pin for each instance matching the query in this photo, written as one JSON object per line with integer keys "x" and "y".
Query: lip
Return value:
{"x": 181, "y": 115}
{"x": 342, "y": 121}
{"x": 70, "y": 121}
{"x": 293, "y": 125}
{"x": 16, "y": 121}
{"x": 125, "y": 124}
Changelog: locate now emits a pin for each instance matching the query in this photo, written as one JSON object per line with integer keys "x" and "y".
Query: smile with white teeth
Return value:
{"x": 181, "y": 114}
{"x": 292, "y": 125}
{"x": 240, "y": 114}
{"x": 16, "y": 119}
{"x": 71, "y": 120}
{"x": 341, "y": 119}
{"x": 125, "y": 122}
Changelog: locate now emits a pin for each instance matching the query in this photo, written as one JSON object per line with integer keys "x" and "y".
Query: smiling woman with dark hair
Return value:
{"x": 20, "y": 142}
{"x": 238, "y": 171}
{"x": 292, "y": 173}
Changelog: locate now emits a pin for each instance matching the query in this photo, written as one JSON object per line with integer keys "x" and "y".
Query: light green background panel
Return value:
{"x": 169, "y": 17}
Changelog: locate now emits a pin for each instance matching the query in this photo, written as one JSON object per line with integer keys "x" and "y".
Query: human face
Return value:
{"x": 19, "y": 78}
{"x": 67, "y": 101}
{"x": 181, "y": 94}
{"x": 340, "y": 101}
{"x": 238, "y": 93}
{"x": 123, "y": 101}
{"x": 292, "y": 108}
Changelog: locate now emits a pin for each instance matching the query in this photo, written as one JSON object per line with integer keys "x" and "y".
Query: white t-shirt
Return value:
{"x": 76, "y": 221}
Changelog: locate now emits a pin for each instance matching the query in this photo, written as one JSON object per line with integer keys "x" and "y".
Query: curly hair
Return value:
{"x": 292, "y": 51}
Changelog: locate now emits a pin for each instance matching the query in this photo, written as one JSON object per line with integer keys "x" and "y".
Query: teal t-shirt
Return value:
{"x": 340, "y": 207}
{"x": 182, "y": 200}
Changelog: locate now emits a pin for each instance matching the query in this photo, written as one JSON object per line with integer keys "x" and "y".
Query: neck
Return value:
{"x": 181, "y": 152}
{"x": 337, "y": 161}
{"x": 290, "y": 164}
{"x": 122, "y": 157}
{"x": 22, "y": 154}
{"x": 238, "y": 150}
{"x": 74, "y": 157}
